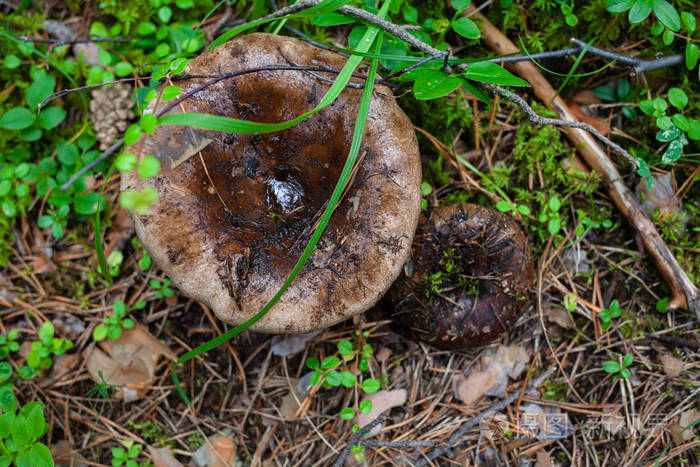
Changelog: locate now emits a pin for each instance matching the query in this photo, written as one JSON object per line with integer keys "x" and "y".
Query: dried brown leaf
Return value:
{"x": 381, "y": 401}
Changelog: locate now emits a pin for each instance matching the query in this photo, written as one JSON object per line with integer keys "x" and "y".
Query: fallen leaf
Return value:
{"x": 672, "y": 366}
{"x": 218, "y": 451}
{"x": 586, "y": 97}
{"x": 491, "y": 376}
{"x": 600, "y": 124}
{"x": 559, "y": 316}
{"x": 64, "y": 455}
{"x": 162, "y": 457}
{"x": 688, "y": 418}
{"x": 288, "y": 345}
{"x": 381, "y": 401}
{"x": 63, "y": 364}
{"x": 128, "y": 362}
{"x": 42, "y": 264}
{"x": 543, "y": 459}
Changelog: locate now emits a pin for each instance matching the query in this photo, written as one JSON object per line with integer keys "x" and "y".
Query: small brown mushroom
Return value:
{"x": 468, "y": 280}
{"x": 234, "y": 212}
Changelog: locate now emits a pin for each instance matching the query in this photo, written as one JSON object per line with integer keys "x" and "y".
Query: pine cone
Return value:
{"x": 110, "y": 112}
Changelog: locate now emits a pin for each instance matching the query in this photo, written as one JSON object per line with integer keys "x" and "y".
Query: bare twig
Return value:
{"x": 354, "y": 441}
{"x": 539, "y": 120}
{"x": 640, "y": 66}
{"x": 107, "y": 152}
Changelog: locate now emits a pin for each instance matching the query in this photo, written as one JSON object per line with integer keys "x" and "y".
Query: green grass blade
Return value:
{"x": 98, "y": 235}
{"x": 233, "y": 125}
{"x": 358, "y": 134}
{"x": 325, "y": 6}
{"x": 567, "y": 75}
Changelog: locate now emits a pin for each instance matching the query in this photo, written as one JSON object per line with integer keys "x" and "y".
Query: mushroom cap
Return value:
{"x": 468, "y": 280}
{"x": 235, "y": 212}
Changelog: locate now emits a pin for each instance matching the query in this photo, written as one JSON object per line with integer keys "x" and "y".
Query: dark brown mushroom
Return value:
{"x": 468, "y": 279}
{"x": 234, "y": 212}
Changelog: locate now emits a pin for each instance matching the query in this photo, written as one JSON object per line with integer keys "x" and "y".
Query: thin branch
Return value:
{"x": 109, "y": 151}
{"x": 355, "y": 440}
{"x": 458, "y": 435}
{"x": 640, "y": 66}
{"x": 539, "y": 120}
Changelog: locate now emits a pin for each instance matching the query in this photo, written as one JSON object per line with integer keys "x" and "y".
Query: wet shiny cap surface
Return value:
{"x": 235, "y": 212}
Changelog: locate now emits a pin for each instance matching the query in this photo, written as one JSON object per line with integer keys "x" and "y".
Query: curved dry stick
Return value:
{"x": 684, "y": 294}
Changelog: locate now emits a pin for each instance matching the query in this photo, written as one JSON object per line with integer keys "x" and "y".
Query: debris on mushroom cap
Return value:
{"x": 469, "y": 277}
{"x": 110, "y": 112}
{"x": 230, "y": 234}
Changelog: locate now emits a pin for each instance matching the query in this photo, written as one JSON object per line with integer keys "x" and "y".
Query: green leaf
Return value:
{"x": 148, "y": 167}
{"x": 623, "y": 89}
{"x": 138, "y": 201}
{"x": 410, "y": 14}
{"x": 627, "y": 359}
{"x": 668, "y": 37}
{"x": 331, "y": 19}
{"x": 487, "y": 72}
{"x": 165, "y": 13}
{"x": 40, "y": 89}
{"x": 126, "y": 162}
{"x": 57, "y": 231}
{"x": 647, "y": 107}
{"x": 12, "y": 61}
{"x": 35, "y": 420}
{"x": 681, "y": 122}
{"x": 345, "y": 347}
{"x": 365, "y": 406}
{"x": 51, "y": 117}
{"x": 662, "y": 305}
{"x": 689, "y": 21}
{"x": 5, "y": 371}
{"x": 114, "y": 332}
{"x": 20, "y": 431}
{"x": 128, "y": 323}
{"x": 67, "y": 154}
{"x": 146, "y": 28}
{"x": 87, "y": 204}
{"x": 46, "y": 332}
{"x": 619, "y": 6}
{"x": 347, "y": 413}
{"x": 668, "y": 135}
{"x": 132, "y": 134}
{"x": 6, "y": 424}
{"x": 554, "y": 225}
{"x": 691, "y": 55}
{"x": 41, "y": 456}
{"x": 554, "y": 204}
{"x": 625, "y": 373}
{"x": 17, "y": 118}
{"x": 460, "y": 4}
{"x": 122, "y": 68}
{"x": 667, "y": 14}
{"x": 148, "y": 122}
{"x": 640, "y": 11}
{"x": 370, "y": 385}
{"x": 333, "y": 378}
{"x": 100, "y": 332}
{"x": 504, "y": 206}
{"x": 330, "y": 362}
{"x": 673, "y": 152}
{"x": 432, "y": 84}
{"x": 605, "y": 93}
{"x": 347, "y": 379}
{"x": 694, "y": 129}
{"x": 170, "y": 93}
{"x": 611, "y": 367}
{"x": 8, "y": 402}
{"x": 466, "y": 28}
{"x": 312, "y": 363}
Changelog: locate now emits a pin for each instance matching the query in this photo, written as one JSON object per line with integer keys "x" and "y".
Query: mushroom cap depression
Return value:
{"x": 234, "y": 212}
{"x": 468, "y": 280}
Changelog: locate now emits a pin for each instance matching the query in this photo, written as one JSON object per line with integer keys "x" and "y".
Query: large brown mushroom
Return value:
{"x": 233, "y": 216}
{"x": 468, "y": 279}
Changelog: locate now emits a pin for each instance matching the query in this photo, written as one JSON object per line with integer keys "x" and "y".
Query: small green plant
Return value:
{"x": 676, "y": 129}
{"x": 113, "y": 325}
{"x": 20, "y": 432}
{"x": 586, "y": 223}
{"x": 620, "y": 366}
{"x": 326, "y": 372}
{"x": 617, "y": 94}
{"x": 425, "y": 189}
{"x": 606, "y": 315}
{"x": 550, "y": 215}
{"x": 9, "y": 343}
{"x": 145, "y": 261}
{"x": 162, "y": 288}
{"x": 127, "y": 457}
{"x": 570, "y": 302}
{"x": 40, "y": 357}
{"x": 662, "y": 305}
